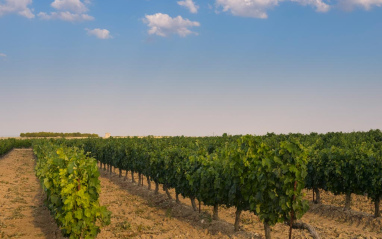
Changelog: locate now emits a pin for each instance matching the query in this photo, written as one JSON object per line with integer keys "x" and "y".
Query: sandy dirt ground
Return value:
{"x": 138, "y": 213}
{"x": 22, "y": 210}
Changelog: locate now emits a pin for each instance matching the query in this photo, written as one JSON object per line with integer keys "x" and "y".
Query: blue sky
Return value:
{"x": 187, "y": 67}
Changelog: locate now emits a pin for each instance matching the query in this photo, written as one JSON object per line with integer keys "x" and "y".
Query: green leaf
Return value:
{"x": 71, "y": 167}
{"x": 47, "y": 183}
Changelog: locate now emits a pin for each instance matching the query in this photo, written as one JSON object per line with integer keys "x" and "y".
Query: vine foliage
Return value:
{"x": 70, "y": 179}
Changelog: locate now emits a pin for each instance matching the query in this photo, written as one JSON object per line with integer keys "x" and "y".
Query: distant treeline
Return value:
{"x": 51, "y": 134}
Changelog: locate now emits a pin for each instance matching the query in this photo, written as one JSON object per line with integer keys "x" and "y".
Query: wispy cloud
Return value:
{"x": 99, "y": 33}
{"x": 2, "y": 55}
{"x": 366, "y": 4}
{"x": 163, "y": 25}
{"x": 17, "y": 6}
{"x": 190, "y": 5}
{"x": 68, "y": 10}
{"x": 65, "y": 16}
{"x": 70, "y": 5}
{"x": 259, "y": 8}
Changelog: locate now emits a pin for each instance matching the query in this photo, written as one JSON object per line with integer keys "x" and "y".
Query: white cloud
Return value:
{"x": 258, "y": 8}
{"x": 367, "y": 4}
{"x": 99, "y": 33}
{"x": 65, "y": 16}
{"x": 2, "y": 55}
{"x": 68, "y": 10}
{"x": 17, "y": 6}
{"x": 190, "y": 5}
{"x": 163, "y": 25}
{"x": 70, "y": 5}
{"x": 320, "y": 5}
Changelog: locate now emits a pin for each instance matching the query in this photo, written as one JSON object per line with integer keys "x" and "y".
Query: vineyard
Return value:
{"x": 276, "y": 179}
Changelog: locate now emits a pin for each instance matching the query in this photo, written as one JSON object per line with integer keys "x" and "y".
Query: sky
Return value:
{"x": 190, "y": 67}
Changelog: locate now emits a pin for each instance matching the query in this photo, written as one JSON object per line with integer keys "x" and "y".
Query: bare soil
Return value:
{"x": 22, "y": 210}
{"x": 138, "y": 213}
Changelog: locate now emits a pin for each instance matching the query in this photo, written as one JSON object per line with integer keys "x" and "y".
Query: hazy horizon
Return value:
{"x": 213, "y": 134}
{"x": 191, "y": 67}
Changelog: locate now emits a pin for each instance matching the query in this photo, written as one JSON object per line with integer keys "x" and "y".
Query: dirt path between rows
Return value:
{"x": 22, "y": 210}
{"x": 138, "y": 213}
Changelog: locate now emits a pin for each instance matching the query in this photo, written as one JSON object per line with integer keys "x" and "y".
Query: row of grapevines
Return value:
{"x": 7, "y": 145}
{"x": 347, "y": 164}
{"x": 213, "y": 169}
{"x": 70, "y": 179}
{"x": 262, "y": 176}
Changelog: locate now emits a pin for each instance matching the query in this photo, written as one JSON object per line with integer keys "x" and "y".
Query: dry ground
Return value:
{"x": 22, "y": 210}
{"x": 138, "y": 213}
